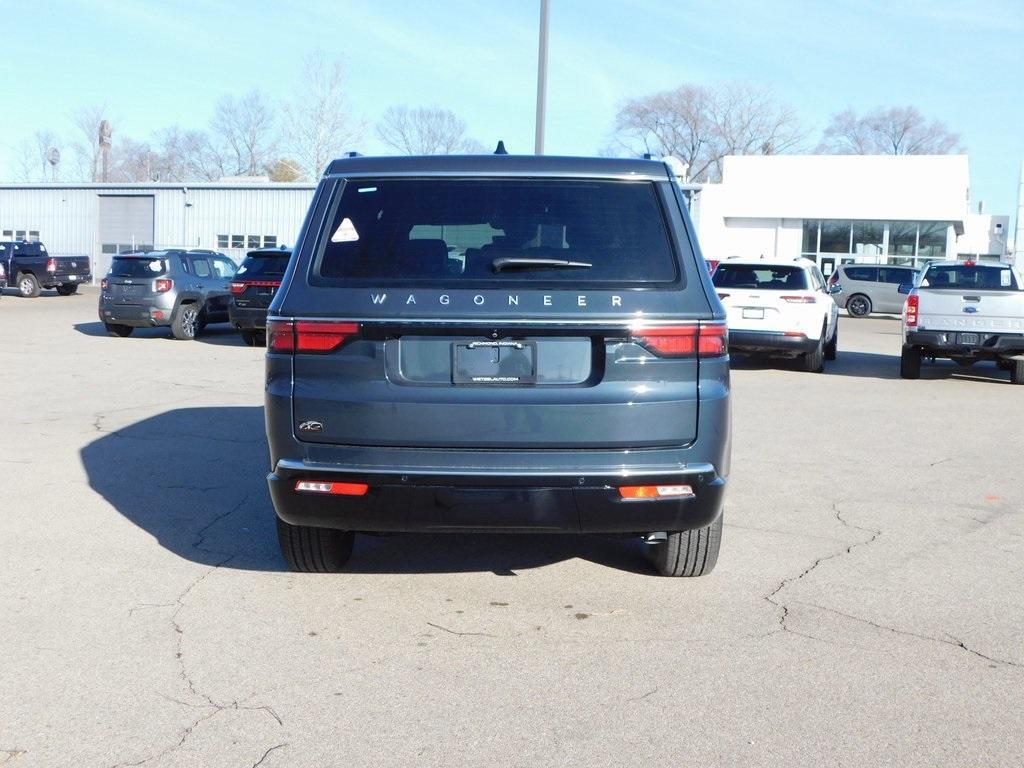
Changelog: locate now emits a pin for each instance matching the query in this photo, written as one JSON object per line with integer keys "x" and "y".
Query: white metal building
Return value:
{"x": 100, "y": 220}
{"x": 840, "y": 208}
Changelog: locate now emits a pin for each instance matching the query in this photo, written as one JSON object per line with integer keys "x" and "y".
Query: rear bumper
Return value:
{"x": 50, "y": 280}
{"x": 247, "y": 318}
{"x": 495, "y": 502}
{"x": 770, "y": 341}
{"x": 952, "y": 343}
{"x": 134, "y": 315}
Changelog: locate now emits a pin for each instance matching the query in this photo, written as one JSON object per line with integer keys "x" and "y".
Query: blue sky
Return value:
{"x": 156, "y": 63}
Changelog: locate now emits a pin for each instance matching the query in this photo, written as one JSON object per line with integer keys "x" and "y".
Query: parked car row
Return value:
{"x": 186, "y": 290}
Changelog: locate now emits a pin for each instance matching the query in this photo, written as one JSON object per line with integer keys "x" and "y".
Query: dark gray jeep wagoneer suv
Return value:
{"x": 498, "y": 343}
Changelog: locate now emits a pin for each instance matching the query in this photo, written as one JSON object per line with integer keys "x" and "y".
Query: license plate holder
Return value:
{"x": 968, "y": 339}
{"x": 494, "y": 363}
{"x": 753, "y": 314}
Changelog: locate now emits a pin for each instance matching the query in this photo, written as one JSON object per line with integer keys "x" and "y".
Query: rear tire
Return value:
{"x": 185, "y": 323}
{"x": 858, "y": 305}
{"x": 314, "y": 550}
{"x": 910, "y": 363}
{"x": 689, "y": 553}
{"x": 832, "y": 346}
{"x": 67, "y": 289}
{"x": 116, "y": 329}
{"x": 814, "y": 361}
{"x": 28, "y": 286}
{"x": 1017, "y": 372}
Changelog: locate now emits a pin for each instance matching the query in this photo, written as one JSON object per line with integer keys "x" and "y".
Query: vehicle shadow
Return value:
{"x": 193, "y": 478}
{"x": 220, "y": 334}
{"x": 872, "y": 365}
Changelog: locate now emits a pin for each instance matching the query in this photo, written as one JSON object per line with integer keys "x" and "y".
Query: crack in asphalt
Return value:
{"x": 214, "y": 707}
{"x": 272, "y": 749}
{"x": 782, "y": 607}
{"x": 6, "y": 755}
{"x": 948, "y": 640}
{"x": 460, "y": 634}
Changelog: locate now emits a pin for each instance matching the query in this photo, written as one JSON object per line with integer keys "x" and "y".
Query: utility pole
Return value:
{"x": 542, "y": 78}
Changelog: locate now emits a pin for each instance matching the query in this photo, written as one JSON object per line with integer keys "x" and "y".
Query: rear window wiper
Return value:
{"x": 513, "y": 262}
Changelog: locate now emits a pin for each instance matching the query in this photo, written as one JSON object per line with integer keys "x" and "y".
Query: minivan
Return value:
{"x": 870, "y": 288}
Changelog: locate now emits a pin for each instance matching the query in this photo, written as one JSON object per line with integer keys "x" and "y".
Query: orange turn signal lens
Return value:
{"x": 655, "y": 491}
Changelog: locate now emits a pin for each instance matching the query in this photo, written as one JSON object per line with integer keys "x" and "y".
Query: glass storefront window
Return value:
{"x": 867, "y": 238}
{"x": 835, "y": 236}
{"x": 931, "y": 242}
{"x": 902, "y": 238}
{"x": 811, "y": 236}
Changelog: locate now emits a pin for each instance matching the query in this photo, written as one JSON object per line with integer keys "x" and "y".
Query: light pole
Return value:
{"x": 542, "y": 78}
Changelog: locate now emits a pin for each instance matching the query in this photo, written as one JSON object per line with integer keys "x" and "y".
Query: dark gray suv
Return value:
{"x": 185, "y": 290}
{"x": 498, "y": 343}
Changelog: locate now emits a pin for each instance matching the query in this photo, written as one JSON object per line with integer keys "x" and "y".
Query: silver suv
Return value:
{"x": 185, "y": 290}
{"x": 871, "y": 288}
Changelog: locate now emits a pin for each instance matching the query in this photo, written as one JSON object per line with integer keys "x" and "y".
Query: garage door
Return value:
{"x": 126, "y": 224}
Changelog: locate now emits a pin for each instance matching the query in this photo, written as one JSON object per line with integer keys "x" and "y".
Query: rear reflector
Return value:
{"x": 336, "y": 489}
{"x": 655, "y": 491}
{"x": 308, "y": 336}
{"x": 704, "y": 339}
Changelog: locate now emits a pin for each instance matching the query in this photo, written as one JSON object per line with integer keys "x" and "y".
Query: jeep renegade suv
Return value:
{"x": 498, "y": 343}
{"x": 185, "y": 290}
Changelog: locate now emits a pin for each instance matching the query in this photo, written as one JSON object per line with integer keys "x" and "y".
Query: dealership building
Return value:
{"x": 830, "y": 208}
{"x": 876, "y": 209}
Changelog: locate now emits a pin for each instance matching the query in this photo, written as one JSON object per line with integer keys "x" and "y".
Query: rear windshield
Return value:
{"x": 137, "y": 267}
{"x": 765, "y": 278}
{"x": 969, "y": 278}
{"x": 457, "y": 231}
{"x": 264, "y": 265}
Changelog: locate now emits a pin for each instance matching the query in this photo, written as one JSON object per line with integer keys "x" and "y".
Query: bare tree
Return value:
{"x": 892, "y": 131}
{"x": 679, "y": 122}
{"x": 88, "y": 152}
{"x": 320, "y": 125}
{"x": 33, "y": 157}
{"x": 243, "y": 138}
{"x": 187, "y": 155}
{"x": 425, "y": 131}
{"x": 700, "y": 125}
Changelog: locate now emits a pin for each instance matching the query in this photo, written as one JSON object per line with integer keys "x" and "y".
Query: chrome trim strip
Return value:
{"x": 301, "y": 466}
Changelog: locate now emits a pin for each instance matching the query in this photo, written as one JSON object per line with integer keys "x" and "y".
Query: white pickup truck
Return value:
{"x": 965, "y": 311}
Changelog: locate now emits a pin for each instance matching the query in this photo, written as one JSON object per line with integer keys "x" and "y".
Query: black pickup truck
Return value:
{"x": 30, "y": 268}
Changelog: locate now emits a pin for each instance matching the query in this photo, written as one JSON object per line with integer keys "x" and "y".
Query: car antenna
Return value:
{"x": 500, "y": 149}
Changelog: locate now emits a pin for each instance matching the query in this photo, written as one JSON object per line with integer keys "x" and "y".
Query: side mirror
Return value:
{"x": 905, "y": 288}
{"x": 834, "y": 289}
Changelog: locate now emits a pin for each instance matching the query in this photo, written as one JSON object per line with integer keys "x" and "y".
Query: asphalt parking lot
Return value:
{"x": 867, "y": 608}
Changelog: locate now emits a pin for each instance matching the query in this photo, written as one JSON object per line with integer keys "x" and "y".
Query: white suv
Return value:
{"x": 779, "y": 308}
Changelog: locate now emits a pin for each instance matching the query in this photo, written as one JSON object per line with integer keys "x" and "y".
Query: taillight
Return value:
{"x": 308, "y": 336}
{"x": 833, "y": 278}
{"x": 911, "y": 310}
{"x": 798, "y": 299}
{"x": 705, "y": 340}
{"x": 237, "y": 288}
{"x": 712, "y": 265}
{"x": 163, "y": 284}
{"x": 51, "y": 265}
{"x": 104, "y": 284}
